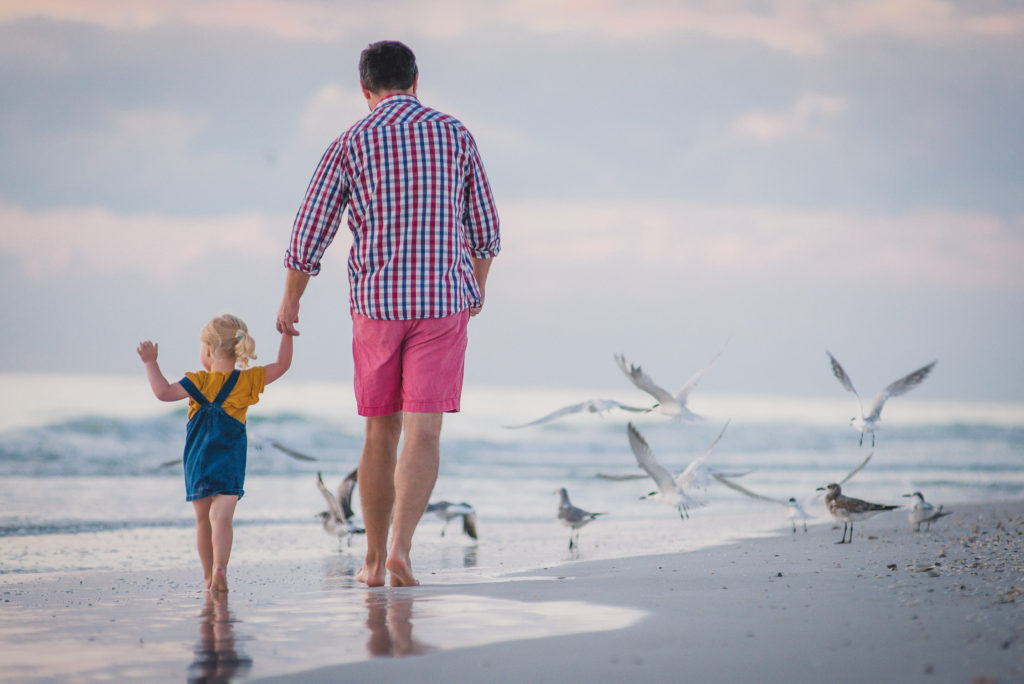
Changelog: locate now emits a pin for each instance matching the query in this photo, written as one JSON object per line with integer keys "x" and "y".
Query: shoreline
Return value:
{"x": 944, "y": 606}
{"x": 786, "y": 607}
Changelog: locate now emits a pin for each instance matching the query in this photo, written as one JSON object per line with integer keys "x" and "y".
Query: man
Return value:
{"x": 424, "y": 231}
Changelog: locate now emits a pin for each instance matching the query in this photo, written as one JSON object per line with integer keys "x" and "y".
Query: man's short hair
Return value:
{"x": 387, "y": 65}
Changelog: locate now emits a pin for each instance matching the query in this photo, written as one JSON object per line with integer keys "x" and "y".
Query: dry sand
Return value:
{"x": 939, "y": 606}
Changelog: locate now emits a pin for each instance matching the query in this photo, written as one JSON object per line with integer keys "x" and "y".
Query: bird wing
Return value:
{"x": 857, "y": 469}
{"x": 844, "y": 380}
{"x": 597, "y": 405}
{"x": 646, "y": 459}
{"x": 690, "y": 472}
{"x": 469, "y": 524}
{"x": 683, "y": 394}
{"x": 901, "y": 386}
{"x": 618, "y": 478}
{"x": 345, "y": 490}
{"x": 291, "y": 452}
{"x": 743, "y": 490}
{"x": 332, "y": 503}
{"x": 643, "y": 381}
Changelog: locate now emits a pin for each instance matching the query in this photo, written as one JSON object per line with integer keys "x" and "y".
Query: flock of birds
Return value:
{"x": 676, "y": 490}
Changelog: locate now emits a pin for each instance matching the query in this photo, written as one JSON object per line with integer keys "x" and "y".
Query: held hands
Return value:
{"x": 287, "y": 317}
{"x": 147, "y": 351}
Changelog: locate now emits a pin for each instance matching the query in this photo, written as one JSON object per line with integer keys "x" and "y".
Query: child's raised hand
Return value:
{"x": 147, "y": 351}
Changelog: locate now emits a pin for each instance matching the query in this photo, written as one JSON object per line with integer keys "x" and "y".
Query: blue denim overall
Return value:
{"x": 215, "y": 445}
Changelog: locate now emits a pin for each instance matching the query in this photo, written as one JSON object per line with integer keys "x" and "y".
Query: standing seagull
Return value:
{"x": 793, "y": 508}
{"x": 868, "y": 423}
{"x": 673, "y": 406}
{"x": 337, "y": 519}
{"x": 849, "y": 510}
{"x": 671, "y": 490}
{"x": 573, "y": 517}
{"x": 448, "y": 511}
{"x": 923, "y": 512}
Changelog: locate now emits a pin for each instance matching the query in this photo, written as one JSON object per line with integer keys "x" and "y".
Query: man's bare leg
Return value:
{"x": 415, "y": 476}
{"x": 377, "y": 492}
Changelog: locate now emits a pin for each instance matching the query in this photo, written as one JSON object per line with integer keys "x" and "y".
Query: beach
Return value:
{"x": 943, "y": 605}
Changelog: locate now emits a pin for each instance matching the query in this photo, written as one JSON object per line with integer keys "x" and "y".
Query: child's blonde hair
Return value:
{"x": 229, "y": 334}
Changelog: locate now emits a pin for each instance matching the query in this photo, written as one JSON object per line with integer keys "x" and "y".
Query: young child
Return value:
{"x": 215, "y": 442}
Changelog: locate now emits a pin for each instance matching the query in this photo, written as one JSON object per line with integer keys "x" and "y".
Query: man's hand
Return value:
{"x": 288, "y": 313}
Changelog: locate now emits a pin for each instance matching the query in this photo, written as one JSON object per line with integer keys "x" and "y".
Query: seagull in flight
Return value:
{"x": 598, "y": 406}
{"x": 673, "y": 406}
{"x": 848, "y": 510}
{"x": 448, "y": 511}
{"x": 793, "y": 507}
{"x": 572, "y": 517}
{"x": 671, "y": 489}
{"x": 868, "y": 422}
{"x": 337, "y": 519}
{"x": 923, "y": 512}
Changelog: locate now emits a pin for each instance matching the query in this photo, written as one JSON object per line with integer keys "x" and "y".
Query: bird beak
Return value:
{"x": 820, "y": 489}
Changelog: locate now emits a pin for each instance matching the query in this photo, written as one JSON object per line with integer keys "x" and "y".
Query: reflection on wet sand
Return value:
{"x": 389, "y": 617}
{"x": 216, "y": 659}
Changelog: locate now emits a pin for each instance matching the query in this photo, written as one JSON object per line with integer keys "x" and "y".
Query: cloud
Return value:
{"x": 799, "y": 27}
{"x": 806, "y": 112}
{"x": 56, "y": 242}
{"x": 927, "y": 248}
{"x": 330, "y": 110}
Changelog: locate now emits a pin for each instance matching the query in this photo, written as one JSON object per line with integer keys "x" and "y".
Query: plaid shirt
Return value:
{"x": 419, "y": 206}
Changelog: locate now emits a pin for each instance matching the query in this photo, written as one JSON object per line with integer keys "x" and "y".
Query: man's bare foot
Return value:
{"x": 401, "y": 571}
{"x": 220, "y": 581}
{"x": 371, "y": 575}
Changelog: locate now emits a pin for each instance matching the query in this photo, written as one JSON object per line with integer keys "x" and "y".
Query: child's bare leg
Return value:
{"x": 222, "y": 513}
{"x": 204, "y": 537}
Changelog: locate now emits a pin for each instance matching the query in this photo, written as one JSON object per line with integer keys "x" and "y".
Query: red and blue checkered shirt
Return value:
{"x": 419, "y": 207}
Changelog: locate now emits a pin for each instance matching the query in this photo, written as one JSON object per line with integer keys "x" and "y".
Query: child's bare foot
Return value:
{"x": 220, "y": 581}
{"x": 400, "y": 568}
{"x": 371, "y": 574}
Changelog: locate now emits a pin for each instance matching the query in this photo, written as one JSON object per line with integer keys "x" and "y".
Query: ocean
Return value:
{"x": 90, "y": 474}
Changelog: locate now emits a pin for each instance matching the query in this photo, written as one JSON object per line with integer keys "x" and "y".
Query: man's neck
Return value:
{"x": 373, "y": 99}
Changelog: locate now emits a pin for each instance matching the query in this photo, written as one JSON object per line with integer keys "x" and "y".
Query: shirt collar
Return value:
{"x": 397, "y": 98}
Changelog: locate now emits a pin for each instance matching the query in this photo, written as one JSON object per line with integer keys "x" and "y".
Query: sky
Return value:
{"x": 782, "y": 177}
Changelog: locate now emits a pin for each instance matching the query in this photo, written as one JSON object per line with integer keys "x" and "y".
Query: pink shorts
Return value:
{"x": 414, "y": 366}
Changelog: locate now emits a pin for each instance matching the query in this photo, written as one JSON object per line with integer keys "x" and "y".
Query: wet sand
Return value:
{"x": 939, "y": 606}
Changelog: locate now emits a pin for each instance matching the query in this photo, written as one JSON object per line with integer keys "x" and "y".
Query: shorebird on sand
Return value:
{"x": 868, "y": 423}
{"x": 849, "y": 510}
{"x": 793, "y": 508}
{"x": 923, "y": 512}
{"x": 448, "y": 511}
{"x": 572, "y": 517}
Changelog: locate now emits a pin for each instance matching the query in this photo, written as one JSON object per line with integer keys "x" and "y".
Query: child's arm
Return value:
{"x": 163, "y": 390}
{"x": 284, "y": 359}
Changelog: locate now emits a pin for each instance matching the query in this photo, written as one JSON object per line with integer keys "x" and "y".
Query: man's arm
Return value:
{"x": 481, "y": 267}
{"x": 288, "y": 315}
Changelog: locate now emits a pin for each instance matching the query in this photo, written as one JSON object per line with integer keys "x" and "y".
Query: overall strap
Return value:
{"x": 194, "y": 392}
{"x": 229, "y": 385}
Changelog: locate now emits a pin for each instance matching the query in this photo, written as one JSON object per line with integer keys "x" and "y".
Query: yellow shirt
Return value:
{"x": 246, "y": 392}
